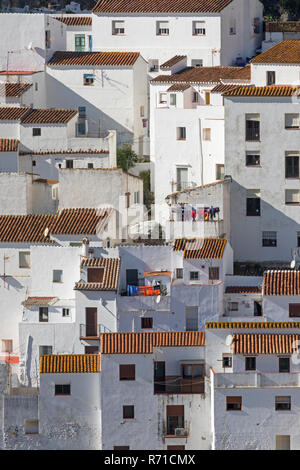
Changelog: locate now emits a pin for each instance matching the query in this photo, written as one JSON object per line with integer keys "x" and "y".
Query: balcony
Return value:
{"x": 177, "y": 385}
{"x": 90, "y": 331}
{"x": 256, "y": 380}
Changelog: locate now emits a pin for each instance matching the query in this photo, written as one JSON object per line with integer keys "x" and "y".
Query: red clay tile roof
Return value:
{"x": 274, "y": 90}
{"x": 49, "y": 116}
{"x": 243, "y": 290}
{"x": 70, "y": 363}
{"x": 40, "y": 301}
{"x": 283, "y": 27}
{"x": 281, "y": 283}
{"x": 251, "y": 325}
{"x": 31, "y": 228}
{"x": 9, "y": 145}
{"x": 200, "y": 248}
{"x": 143, "y": 343}
{"x": 110, "y": 275}
{"x": 75, "y": 20}
{"x": 118, "y": 59}
{"x": 10, "y": 113}
{"x": 286, "y": 52}
{"x": 205, "y": 75}
{"x": 264, "y": 343}
{"x": 14, "y": 89}
{"x": 160, "y": 6}
{"x": 221, "y": 88}
{"x": 174, "y": 60}
{"x": 67, "y": 152}
{"x": 179, "y": 87}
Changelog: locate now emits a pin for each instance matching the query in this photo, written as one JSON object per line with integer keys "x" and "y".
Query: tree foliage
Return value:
{"x": 126, "y": 157}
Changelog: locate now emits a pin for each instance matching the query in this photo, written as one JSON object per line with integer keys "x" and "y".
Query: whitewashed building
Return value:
{"x": 77, "y": 31}
{"x": 209, "y": 32}
{"x": 280, "y": 31}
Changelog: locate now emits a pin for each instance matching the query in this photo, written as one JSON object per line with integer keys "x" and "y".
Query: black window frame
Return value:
{"x": 287, "y": 370}
{"x": 253, "y": 209}
{"x": 129, "y": 411}
{"x": 36, "y": 131}
{"x": 283, "y": 406}
{"x": 62, "y": 389}
{"x": 250, "y": 363}
{"x": 293, "y": 170}
{"x": 252, "y": 130}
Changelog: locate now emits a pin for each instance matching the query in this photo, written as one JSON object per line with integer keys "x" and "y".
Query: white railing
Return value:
{"x": 256, "y": 379}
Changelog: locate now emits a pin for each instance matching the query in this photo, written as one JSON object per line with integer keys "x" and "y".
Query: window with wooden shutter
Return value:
{"x": 146, "y": 322}
{"x": 95, "y": 274}
{"x": 292, "y": 121}
{"x": 292, "y": 196}
{"x": 214, "y": 274}
{"x": 294, "y": 310}
{"x": 233, "y": 403}
{"x": 127, "y": 371}
{"x": 175, "y": 418}
{"x": 283, "y": 403}
{"x": 31, "y": 426}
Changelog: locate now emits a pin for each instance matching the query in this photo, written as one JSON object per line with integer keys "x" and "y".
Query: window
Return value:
{"x": 142, "y": 111}
{"x": 232, "y": 27}
{"x": 36, "y": 86}
{"x": 57, "y": 275}
{"x": 163, "y": 98}
{"x": 65, "y": 312}
{"x": 206, "y": 134}
{"x": 199, "y": 28}
{"x": 146, "y": 322}
{"x": 256, "y": 25}
{"x": 292, "y": 121}
{"x": 227, "y": 361}
{"x": 252, "y": 127}
{"x": 127, "y": 371}
{"x": 294, "y": 310}
{"x": 195, "y": 97}
{"x": 159, "y": 377}
{"x": 54, "y": 193}
{"x": 194, "y": 275}
{"x": 182, "y": 181}
{"x": 36, "y": 131}
{"x": 33, "y": 163}
{"x": 269, "y": 239}
{"x": 91, "y": 349}
{"x": 7, "y": 345}
{"x": 62, "y": 389}
{"x": 136, "y": 197}
{"x": 69, "y": 163}
{"x": 283, "y": 442}
{"x": 127, "y": 196}
{"x": 45, "y": 350}
{"x": 79, "y": 42}
{"x": 82, "y": 112}
{"x": 250, "y": 363}
{"x": 298, "y": 239}
{"x": 257, "y": 309}
{"x": 284, "y": 364}
{"x": 88, "y": 79}
{"x": 271, "y": 78}
{"x": 292, "y": 165}
{"x": 162, "y": 28}
{"x": 283, "y": 403}
{"x": 197, "y": 62}
{"x": 191, "y": 318}
{"x": 179, "y": 273}
{"x": 43, "y": 314}
{"x": 24, "y": 259}
{"x": 233, "y": 306}
{"x": 128, "y": 412}
{"x": 175, "y": 418}
{"x": 233, "y": 403}
{"x": 252, "y": 159}
{"x": 253, "y": 203}
{"x": 90, "y": 165}
{"x": 207, "y": 97}
{"x": 121, "y": 447}
{"x": 31, "y": 426}
{"x": 213, "y": 274}
{"x": 181, "y": 133}
{"x": 153, "y": 65}
{"x": 47, "y": 39}
{"x": 220, "y": 172}
{"x": 118, "y": 27}
{"x": 172, "y": 99}
{"x": 292, "y": 196}
{"x": 192, "y": 378}
{"x": 95, "y": 274}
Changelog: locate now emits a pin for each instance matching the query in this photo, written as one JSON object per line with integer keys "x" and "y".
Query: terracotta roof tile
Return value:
{"x": 281, "y": 283}
{"x": 264, "y": 343}
{"x": 110, "y": 275}
{"x": 160, "y": 6}
{"x": 67, "y": 152}
{"x": 10, "y": 113}
{"x": 286, "y": 52}
{"x": 9, "y": 145}
{"x": 143, "y": 343}
{"x": 274, "y": 90}
{"x": 283, "y": 27}
{"x": 75, "y": 20}
{"x": 174, "y": 60}
{"x": 204, "y": 75}
{"x": 40, "y": 301}
{"x": 243, "y": 290}
{"x": 251, "y": 325}
{"x": 200, "y": 248}
{"x": 221, "y": 88}
{"x": 70, "y": 363}
{"x": 14, "y": 89}
{"x": 31, "y": 228}
{"x": 49, "y": 116}
{"x": 118, "y": 59}
{"x": 179, "y": 87}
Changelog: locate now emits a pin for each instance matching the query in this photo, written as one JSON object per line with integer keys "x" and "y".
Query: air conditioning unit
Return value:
{"x": 180, "y": 432}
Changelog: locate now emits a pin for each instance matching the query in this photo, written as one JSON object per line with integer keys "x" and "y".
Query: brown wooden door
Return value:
{"x": 91, "y": 321}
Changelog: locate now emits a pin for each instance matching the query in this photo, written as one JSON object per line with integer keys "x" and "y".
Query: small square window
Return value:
{"x": 69, "y": 163}
{"x": 31, "y": 426}
{"x": 292, "y": 121}
{"x": 233, "y": 403}
{"x": 269, "y": 239}
{"x": 163, "y": 98}
{"x": 88, "y": 79}
{"x": 57, "y": 275}
{"x": 197, "y": 62}
{"x": 283, "y": 403}
{"x": 24, "y": 259}
{"x": 271, "y": 78}
{"x": 233, "y": 306}
{"x": 199, "y": 28}
{"x": 227, "y": 361}
{"x": 128, "y": 412}
{"x": 181, "y": 133}
{"x": 43, "y": 314}
{"x": 90, "y": 165}
{"x": 118, "y": 28}
{"x": 62, "y": 389}
{"x": 36, "y": 131}
{"x": 146, "y": 322}
{"x": 284, "y": 364}
{"x": 127, "y": 371}
{"x": 250, "y": 363}
{"x": 194, "y": 275}
{"x": 292, "y": 196}
{"x": 252, "y": 159}
{"x": 179, "y": 273}
{"x": 45, "y": 350}
{"x": 162, "y": 28}
{"x": 65, "y": 312}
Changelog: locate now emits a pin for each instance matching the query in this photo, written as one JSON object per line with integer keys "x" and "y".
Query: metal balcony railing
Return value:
{"x": 178, "y": 385}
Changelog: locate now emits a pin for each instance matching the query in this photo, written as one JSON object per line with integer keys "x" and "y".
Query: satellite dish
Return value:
{"x": 293, "y": 264}
{"x": 46, "y": 232}
{"x": 157, "y": 300}
{"x": 29, "y": 46}
{"x": 229, "y": 340}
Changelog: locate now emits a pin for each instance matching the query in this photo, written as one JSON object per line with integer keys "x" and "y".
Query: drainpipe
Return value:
{"x": 201, "y": 150}
{"x": 112, "y": 148}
